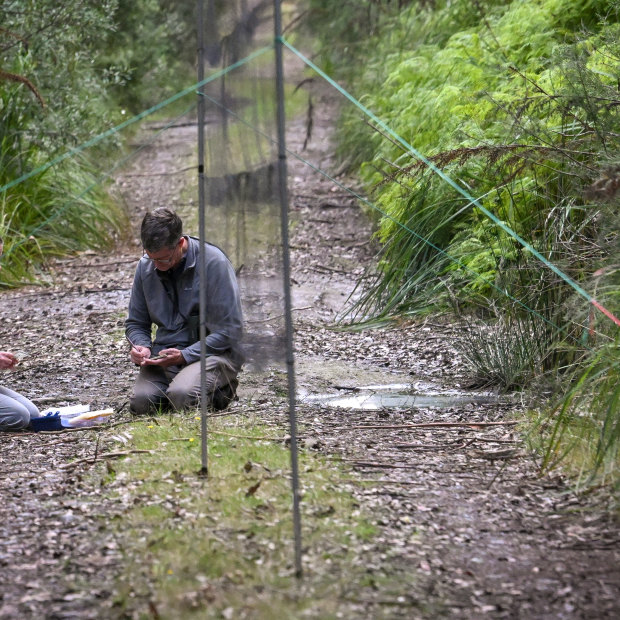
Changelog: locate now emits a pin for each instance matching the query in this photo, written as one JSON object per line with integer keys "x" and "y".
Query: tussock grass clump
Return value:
{"x": 509, "y": 353}
{"x": 55, "y": 214}
{"x": 581, "y": 431}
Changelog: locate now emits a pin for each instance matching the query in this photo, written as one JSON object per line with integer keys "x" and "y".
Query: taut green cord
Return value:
{"x": 455, "y": 185}
{"x": 137, "y": 117}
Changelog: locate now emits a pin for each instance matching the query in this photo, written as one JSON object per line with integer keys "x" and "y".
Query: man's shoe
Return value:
{"x": 224, "y": 395}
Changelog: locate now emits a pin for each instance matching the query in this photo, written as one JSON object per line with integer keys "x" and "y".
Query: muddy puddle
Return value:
{"x": 397, "y": 396}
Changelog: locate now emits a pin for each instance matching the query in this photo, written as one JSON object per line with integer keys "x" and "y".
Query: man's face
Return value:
{"x": 167, "y": 258}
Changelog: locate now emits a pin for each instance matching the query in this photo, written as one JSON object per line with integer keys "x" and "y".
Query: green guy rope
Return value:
{"x": 102, "y": 136}
{"x": 455, "y": 185}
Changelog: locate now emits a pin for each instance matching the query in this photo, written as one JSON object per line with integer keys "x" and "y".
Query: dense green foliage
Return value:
{"x": 504, "y": 107}
{"x": 518, "y": 103}
{"x": 68, "y": 72}
{"x": 151, "y": 52}
{"x": 51, "y": 99}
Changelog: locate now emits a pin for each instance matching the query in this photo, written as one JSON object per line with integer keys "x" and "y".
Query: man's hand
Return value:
{"x": 138, "y": 354}
{"x": 7, "y": 360}
{"x": 169, "y": 357}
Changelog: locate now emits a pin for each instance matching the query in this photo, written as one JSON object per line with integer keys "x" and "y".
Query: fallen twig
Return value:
{"x": 70, "y": 263}
{"x": 101, "y": 457}
{"x": 385, "y": 481}
{"x": 229, "y": 412}
{"x": 357, "y": 463}
{"x": 160, "y": 174}
{"x": 495, "y": 455}
{"x": 278, "y": 316}
{"x": 491, "y": 440}
{"x": 425, "y": 446}
{"x": 259, "y": 438}
{"x": 326, "y": 269}
{"x": 425, "y": 425}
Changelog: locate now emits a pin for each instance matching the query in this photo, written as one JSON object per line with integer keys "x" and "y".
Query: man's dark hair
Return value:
{"x": 161, "y": 228}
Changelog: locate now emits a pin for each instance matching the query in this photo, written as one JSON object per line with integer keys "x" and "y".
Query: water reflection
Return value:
{"x": 395, "y": 396}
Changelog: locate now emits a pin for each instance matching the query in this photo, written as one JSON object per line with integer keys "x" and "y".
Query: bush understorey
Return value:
{"x": 518, "y": 104}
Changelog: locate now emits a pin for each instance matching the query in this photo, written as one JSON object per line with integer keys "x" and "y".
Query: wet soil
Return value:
{"x": 467, "y": 527}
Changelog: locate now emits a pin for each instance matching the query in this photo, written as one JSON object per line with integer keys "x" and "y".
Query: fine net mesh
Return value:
{"x": 241, "y": 193}
{"x": 242, "y": 207}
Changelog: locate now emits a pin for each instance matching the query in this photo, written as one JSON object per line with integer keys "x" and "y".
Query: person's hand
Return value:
{"x": 7, "y": 360}
{"x": 138, "y": 354}
{"x": 170, "y": 357}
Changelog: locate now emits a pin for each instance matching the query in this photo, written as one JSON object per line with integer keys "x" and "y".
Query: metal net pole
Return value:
{"x": 201, "y": 226}
{"x": 290, "y": 360}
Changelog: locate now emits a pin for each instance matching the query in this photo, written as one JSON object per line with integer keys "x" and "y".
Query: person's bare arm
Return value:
{"x": 8, "y": 360}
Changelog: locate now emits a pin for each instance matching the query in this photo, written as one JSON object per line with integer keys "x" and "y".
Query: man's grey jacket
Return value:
{"x": 171, "y": 302}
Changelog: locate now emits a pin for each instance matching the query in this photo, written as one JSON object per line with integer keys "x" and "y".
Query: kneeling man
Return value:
{"x": 165, "y": 293}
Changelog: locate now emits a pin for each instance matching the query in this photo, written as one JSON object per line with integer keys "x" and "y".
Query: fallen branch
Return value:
{"x": 101, "y": 457}
{"x": 259, "y": 438}
{"x": 427, "y": 425}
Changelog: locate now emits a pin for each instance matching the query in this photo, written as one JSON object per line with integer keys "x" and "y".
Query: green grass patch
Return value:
{"x": 196, "y": 547}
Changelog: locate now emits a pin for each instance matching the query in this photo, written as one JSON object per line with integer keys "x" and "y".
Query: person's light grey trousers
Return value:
{"x": 15, "y": 410}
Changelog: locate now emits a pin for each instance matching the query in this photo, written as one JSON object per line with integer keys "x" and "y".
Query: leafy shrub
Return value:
{"x": 67, "y": 70}
{"x": 518, "y": 103}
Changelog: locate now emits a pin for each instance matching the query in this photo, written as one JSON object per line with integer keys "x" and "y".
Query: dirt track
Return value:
{"x": 467, "y": 528}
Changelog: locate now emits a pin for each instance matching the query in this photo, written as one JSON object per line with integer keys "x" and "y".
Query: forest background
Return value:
{"x": 517, "y": 102}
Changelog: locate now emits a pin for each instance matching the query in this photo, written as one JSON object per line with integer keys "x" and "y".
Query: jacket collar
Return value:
{"x": 192, "y": 252}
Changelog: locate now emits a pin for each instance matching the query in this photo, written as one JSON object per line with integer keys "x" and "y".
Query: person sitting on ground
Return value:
{"x": 16, "y": 410}
{"x": 166, "y": 293}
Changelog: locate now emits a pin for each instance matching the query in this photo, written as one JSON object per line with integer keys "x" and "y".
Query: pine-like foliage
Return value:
{"x": 518, "y": 102}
